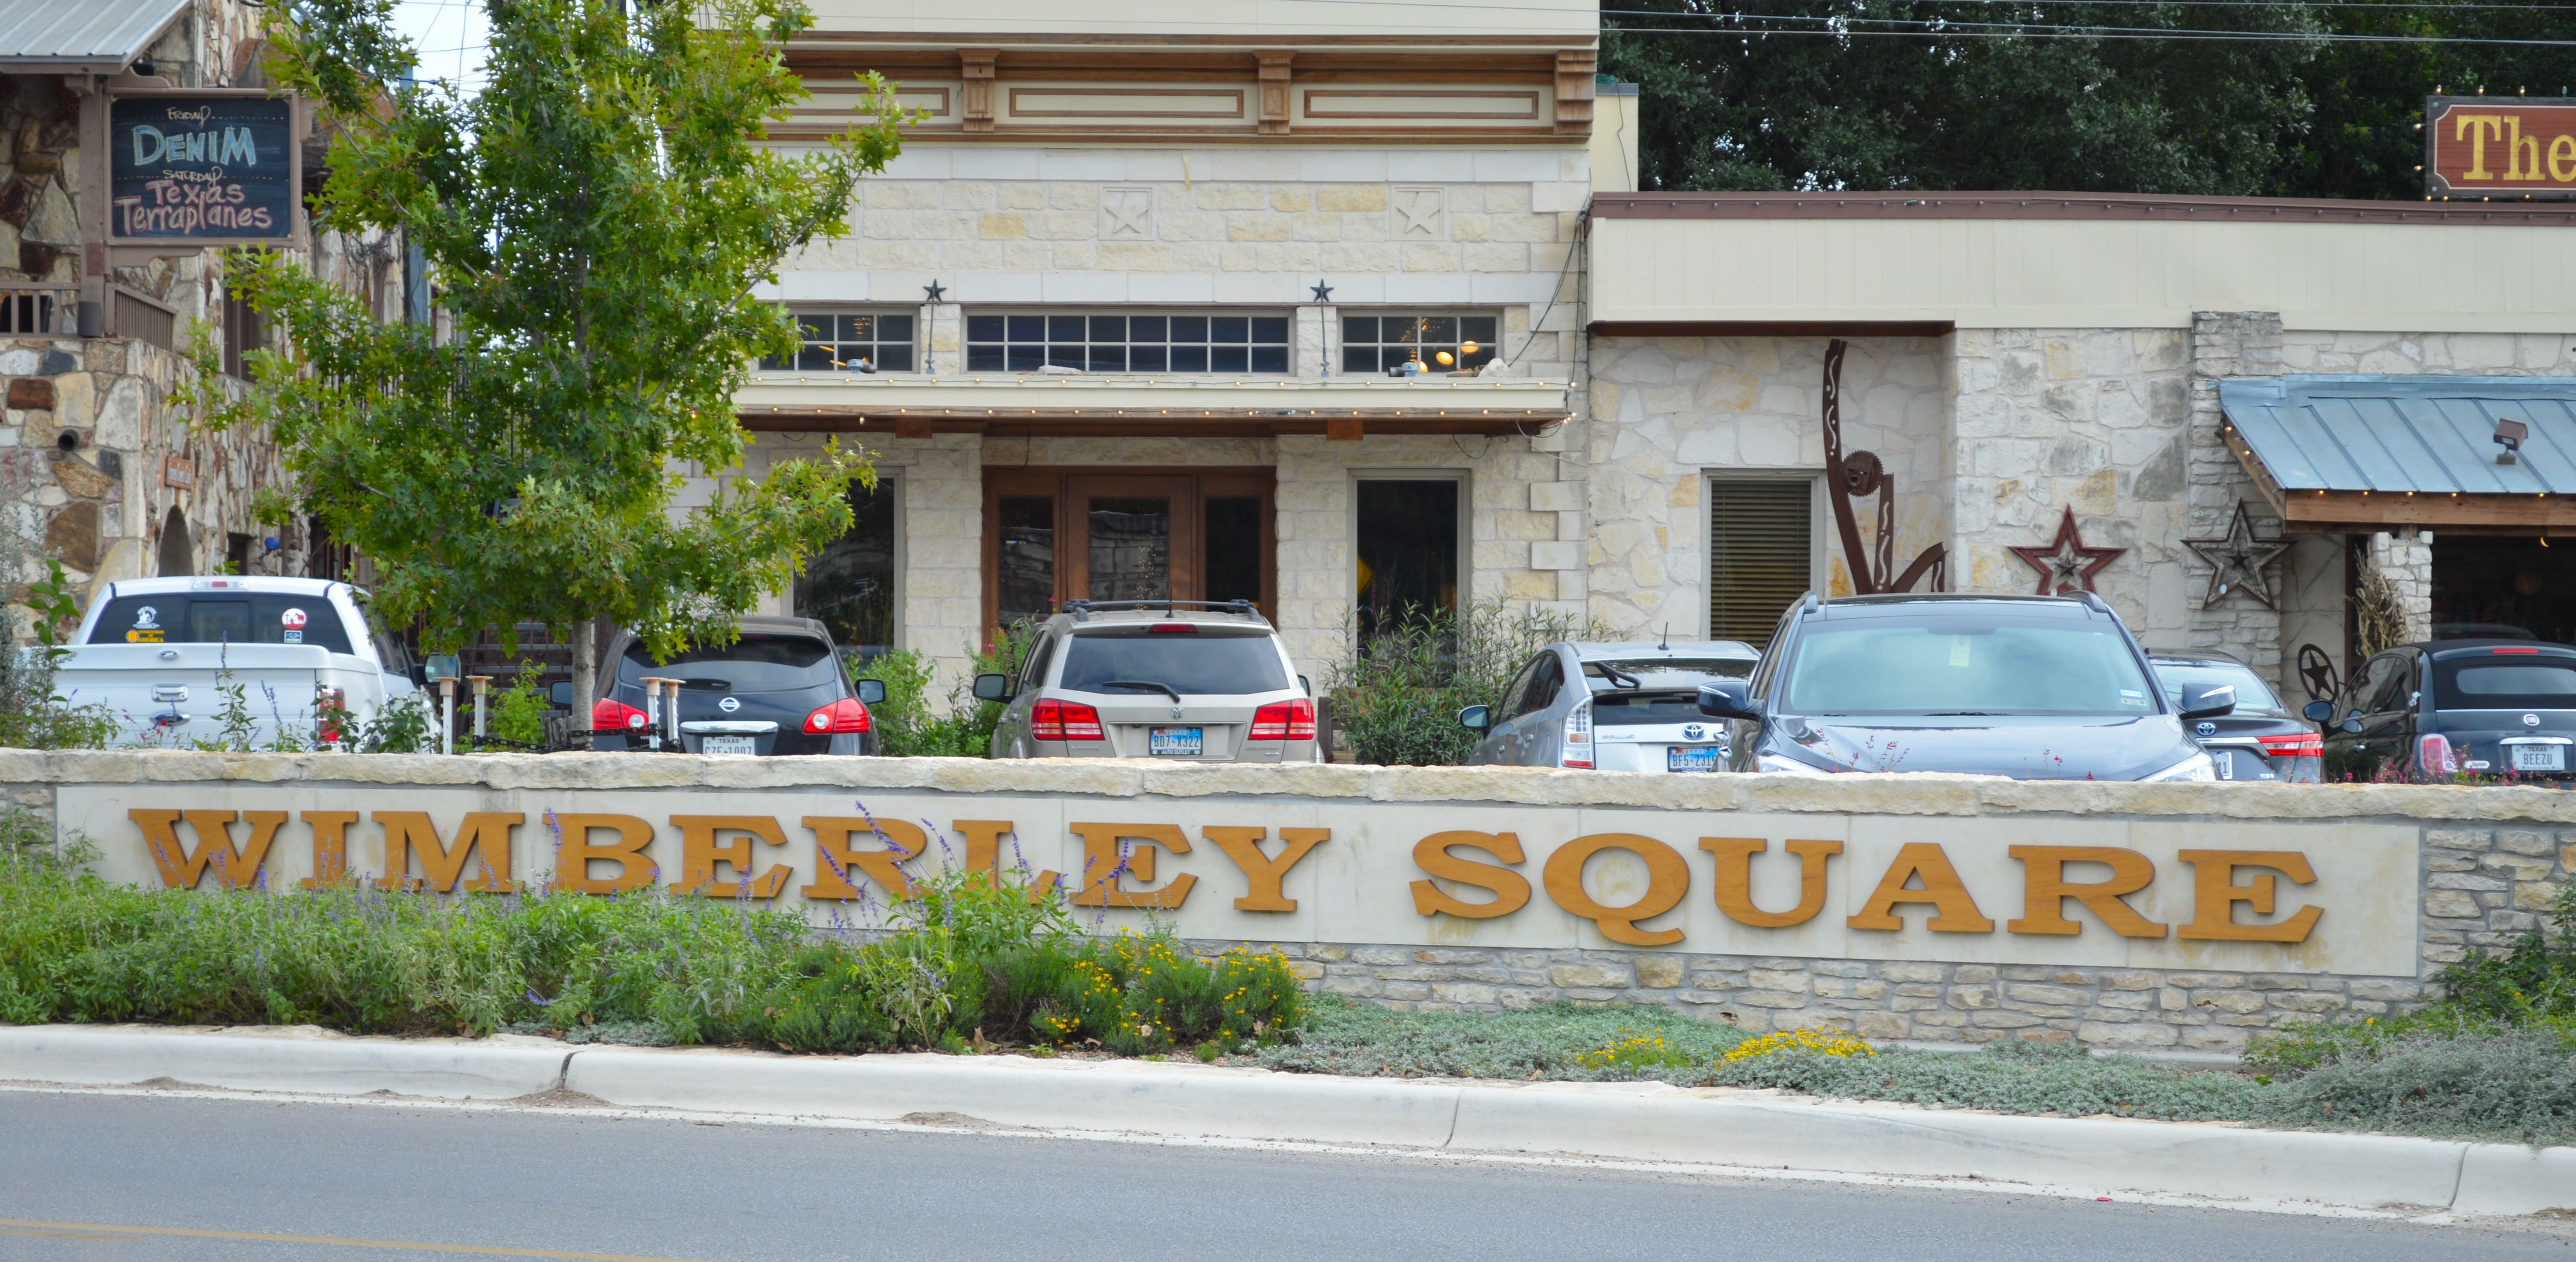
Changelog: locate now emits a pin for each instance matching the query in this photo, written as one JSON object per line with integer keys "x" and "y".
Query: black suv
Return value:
{"x": 2450, "y": 707}
{"x": 780, "y": 689}
{"x": 2032, "y": 687}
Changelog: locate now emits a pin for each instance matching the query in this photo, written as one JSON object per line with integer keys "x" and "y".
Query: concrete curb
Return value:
{"x": 1625, "y": 1121}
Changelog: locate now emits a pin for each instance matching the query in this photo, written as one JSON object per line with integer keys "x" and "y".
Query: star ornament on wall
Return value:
{"x": 2065, "y": 565}
{"x": 2236, "y": 561}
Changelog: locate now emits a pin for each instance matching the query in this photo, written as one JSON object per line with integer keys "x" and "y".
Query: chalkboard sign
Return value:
{"x": 201, "y": 167}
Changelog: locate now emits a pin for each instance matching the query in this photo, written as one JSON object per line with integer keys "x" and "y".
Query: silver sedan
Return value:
{"x": 1611, "y": 707}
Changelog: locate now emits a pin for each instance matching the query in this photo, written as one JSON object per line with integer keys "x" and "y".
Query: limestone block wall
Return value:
{"x": 1667, "y": 412}
{"x": 2096, "y": 419}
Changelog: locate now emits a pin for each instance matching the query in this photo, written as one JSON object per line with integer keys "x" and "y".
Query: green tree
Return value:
{"x": 1954, "y": 94}
{"x": 593, "y": 222}
{"x": 2369, "y": 93}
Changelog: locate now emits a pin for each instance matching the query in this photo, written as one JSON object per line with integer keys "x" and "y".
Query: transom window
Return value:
{"x": 851, "y": 341}
{"x": 1448, "y": 342}
{"x": 1008, "y": 341}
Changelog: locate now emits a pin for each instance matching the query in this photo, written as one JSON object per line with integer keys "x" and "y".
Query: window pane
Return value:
{"x": 1189, "y": 328}
{"x": 1359, "y": 328}
{"x": 1148, "y": 328}
{"x": 815, "y": 359}
{"x": 1131, "y": 548}
{"x": 849, "y": 585}
{"x": 1028, "y": 328}
{"x": 814, "y": 328}
{"x": 1108, "y": 328}
{"x": 1269, "y": 359}
{"x": 1232, "y": 525}
{"x": 1189, "y": 359}
{"x": 1064, "y": 328}
{"x": 1027, "y": 569}
{"x": 896, "y": 357}
{"x": 1108, "y": 359}
{"x": 1027, "y": 358}
{"x": 984, "y": 328}
{"x": 1226, "y": 359}
{"x": 983, "y": 358}
{"x": 1477, "y": 328}
{"x": 1148, "y": 359}
{"x": 894, "y": 328}
{"x": 1270, "y": 329}
{"x": 1443, "y": 329}
{"x": 1229, "y": 329}
{"x": 1408, "y": 549}
{"x": 1359, "y": 359}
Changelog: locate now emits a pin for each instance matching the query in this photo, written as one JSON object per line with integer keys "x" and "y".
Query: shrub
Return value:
{"x": 1397, "y": 694}
{"x": 908, "y": 723}
{"x": 31, "y": 715}
{"x": 1550, "y": 1042}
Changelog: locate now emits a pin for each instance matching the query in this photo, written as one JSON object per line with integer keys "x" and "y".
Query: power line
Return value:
{"x": 2130, "y": 33}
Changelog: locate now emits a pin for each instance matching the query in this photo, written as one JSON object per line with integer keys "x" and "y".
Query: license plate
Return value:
{"x": 2539, "y": 757}
{"x": 728, "y": 745}
{"x": 1176, "y": 742}
{"x": 1691, "y": 758}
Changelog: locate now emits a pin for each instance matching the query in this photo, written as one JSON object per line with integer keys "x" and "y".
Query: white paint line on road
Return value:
{"x": 1424, "y": 1155}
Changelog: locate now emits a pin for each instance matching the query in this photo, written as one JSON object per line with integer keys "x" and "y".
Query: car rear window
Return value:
{"x": 2253, "y": 697}
{"x": 248, "y": 618}
{"x": 1965, "y": 666}
{"x": 754, "y": 663}
{"x": 2505, "y": 681}
{"x": 1200, "y": 663}
{"x": 1666, "y": 689}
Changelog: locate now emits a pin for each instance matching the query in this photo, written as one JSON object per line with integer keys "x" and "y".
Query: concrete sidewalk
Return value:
{"x": 1628, "y": 1121}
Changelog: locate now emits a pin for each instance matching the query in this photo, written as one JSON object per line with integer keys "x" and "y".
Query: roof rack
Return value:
{"x": 1083, "y": 609}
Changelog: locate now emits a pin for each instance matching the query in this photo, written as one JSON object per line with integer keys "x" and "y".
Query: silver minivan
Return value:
{"x": 1188, "y": 681}
{"x": 1635, "y": 708}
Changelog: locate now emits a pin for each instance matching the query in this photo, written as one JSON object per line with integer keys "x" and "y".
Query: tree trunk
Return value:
{"x": 585, "y": 670}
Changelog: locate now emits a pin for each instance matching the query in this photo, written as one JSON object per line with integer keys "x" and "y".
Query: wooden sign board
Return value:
{"x": 179, "y": 472}
{"x": 202, "y": 168}
{"x": 2504, "y": 147}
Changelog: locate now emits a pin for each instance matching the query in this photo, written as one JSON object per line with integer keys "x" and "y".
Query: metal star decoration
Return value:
{"x": 934, "y": 289}
{"x": 2065, "y": 564}
{"x": 2236, "y": 560}
{"x": 1323, "y": 292}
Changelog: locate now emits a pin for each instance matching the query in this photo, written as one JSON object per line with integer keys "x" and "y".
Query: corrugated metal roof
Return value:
{"x": 97, "y": 34}
{"x": 2432, "y": 434}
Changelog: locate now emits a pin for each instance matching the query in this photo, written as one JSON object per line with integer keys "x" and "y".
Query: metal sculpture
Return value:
{"x": 2237, "y": 560}
{"x": 2318, "y": 675}
{"x": 1861, "y": 474}
{"x": 2065, "y": 564}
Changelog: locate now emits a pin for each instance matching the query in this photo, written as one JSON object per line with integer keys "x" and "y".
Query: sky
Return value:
{"x": 449, "y": 36}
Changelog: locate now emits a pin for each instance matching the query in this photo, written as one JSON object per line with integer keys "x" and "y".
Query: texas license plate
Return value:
{"x": 1176, "y": 742}
{"x": 2539, "y": 757}
{"x": 1691, "y": 758}
{"x": 728, "y": 745}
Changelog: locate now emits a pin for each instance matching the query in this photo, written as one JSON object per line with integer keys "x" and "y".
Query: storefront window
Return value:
{"x": 1408, "y": 549}
{"x": 1244, "y": 342}
{"x": 1445, "y": 342}
{"x": 1761, "y": 554}
{"x": 849, "y": 585}
{"x": 851, "y": 341}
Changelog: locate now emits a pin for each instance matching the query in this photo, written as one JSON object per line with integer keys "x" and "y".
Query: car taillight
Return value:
{"x": 611, "y": 714}
{"x": 331, "y": 703}
{"x": 1172, "y": 628}
{"x": 1578, "y": 738}
{"x": 1053, "y": 720}
{"x": 2308, "y": 745}
{"x": 844, "y": 715}
{"x": 2514, "y": 650}
{"x": 1284, "y": 721}
{"x": 2433, "y": 756}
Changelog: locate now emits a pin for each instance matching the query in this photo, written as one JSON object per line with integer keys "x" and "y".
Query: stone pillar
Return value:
{"x": 2406, "y": 558}
{"x": 1311, "y": 341}
{"x": 2228, "y": 344}
{"x": 945, "y": 348}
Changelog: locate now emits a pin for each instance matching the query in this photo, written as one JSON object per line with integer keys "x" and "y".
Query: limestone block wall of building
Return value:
{"x": 1667, "y": 412}
{"x": 2095, "y": 419}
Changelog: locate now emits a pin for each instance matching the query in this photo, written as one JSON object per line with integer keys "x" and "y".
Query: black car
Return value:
{"x": 2493, "y": 707}
{"x": 2260, "y": 739}
{"x": 2032, "y": 687}
{"x": 780, "y": 689}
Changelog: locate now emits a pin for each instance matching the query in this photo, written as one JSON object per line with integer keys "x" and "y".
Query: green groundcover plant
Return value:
{"x": 965, "y": 960}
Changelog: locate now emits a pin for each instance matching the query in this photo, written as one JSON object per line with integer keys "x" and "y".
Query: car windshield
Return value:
{"x": 1666, "y": 689}
{"x": 1965, "y": 666}
{"x": 2505, "y": 680}
{"x": 754, "y": 663}
{"x": 1198, "y": 663}
{"x": 2253, "y": 697}
{"x": 247, "y": 618}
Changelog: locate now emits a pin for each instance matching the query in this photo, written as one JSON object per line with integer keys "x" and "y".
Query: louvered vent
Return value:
{"x": 1760, "y": 553}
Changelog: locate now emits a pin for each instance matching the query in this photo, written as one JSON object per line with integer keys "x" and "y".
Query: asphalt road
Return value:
{"x": 387, "y": 1181}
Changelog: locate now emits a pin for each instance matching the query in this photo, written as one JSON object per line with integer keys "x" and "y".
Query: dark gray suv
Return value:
{"x": 779, "y": 689}
{"x": 2032, "y": 687}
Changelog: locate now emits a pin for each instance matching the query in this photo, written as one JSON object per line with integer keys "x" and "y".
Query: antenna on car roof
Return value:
{"x": 1666, "y": 644}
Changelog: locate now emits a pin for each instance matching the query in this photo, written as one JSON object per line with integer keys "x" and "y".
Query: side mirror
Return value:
{"x": 2353, "y": 725}
{"x": 1728, "y": 699}
{"x": 2318, "y": 711}
{"x": 992, "y": 687}
{"x": 1476, "y": 718}
{"x": 2208, "y": 702}
{"x": 871, "y": 692}
{"x": 560, "y": 694}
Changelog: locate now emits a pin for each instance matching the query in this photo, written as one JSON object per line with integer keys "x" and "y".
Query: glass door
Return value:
{"x": 1053, "y": 535}
{"x": 1138, "y": 538}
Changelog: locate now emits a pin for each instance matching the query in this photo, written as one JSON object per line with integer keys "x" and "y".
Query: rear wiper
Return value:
{"x": 1618, "y": 678}
{"x": 1165, "y": 689}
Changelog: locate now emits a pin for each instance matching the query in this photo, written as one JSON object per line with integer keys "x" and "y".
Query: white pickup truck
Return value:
{"x": 155, "y": 651}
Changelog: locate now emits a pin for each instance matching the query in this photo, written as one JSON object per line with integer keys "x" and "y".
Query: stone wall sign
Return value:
{"x": 202, "y": 168}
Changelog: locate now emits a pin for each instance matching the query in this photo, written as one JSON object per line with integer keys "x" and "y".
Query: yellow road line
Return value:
{"x": 93, "y": 1231}
{"x": 65, "y": 1235}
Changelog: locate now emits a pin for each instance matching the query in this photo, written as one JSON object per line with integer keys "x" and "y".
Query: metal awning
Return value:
{"x": 81, "y": 36}
{"x": 2354, "y": 454}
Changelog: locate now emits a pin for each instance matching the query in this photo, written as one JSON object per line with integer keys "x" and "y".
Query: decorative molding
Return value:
{"x": 977, "y": 66}
{"x": 1511, "y": 105}
{"x": 1274, "y": 89}
{"x": 1022, "y": 101}
{"x": 1127, "y": 213}
{"x": 1420, "y": 214}
{"x": 1574, "y": 71}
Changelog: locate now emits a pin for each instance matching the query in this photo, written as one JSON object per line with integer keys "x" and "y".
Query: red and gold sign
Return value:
{"x": 2500, "y": 146}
